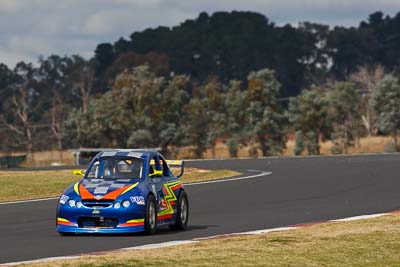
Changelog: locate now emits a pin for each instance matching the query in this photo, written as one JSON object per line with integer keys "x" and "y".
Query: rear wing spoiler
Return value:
{"x": 180, "y": 163}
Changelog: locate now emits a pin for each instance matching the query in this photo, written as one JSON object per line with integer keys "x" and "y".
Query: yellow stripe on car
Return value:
{"x": 62, "y": 219}
{"x": 129, "y": 188}
{"x": 135, "y": 221}
{"x": 76, "y": 188}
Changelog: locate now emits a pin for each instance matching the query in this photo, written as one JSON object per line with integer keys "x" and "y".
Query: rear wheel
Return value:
{"x": 150, "y": 220}
{"x": 182, "y": 215}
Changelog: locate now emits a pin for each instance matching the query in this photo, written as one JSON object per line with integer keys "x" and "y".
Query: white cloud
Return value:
{"x": 30, "y": 28}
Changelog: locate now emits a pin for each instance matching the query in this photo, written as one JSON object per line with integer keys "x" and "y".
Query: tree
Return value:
{"x": 213, "y": 102}
{"x": 317, "y": 61}
{"x": 23, "y": 107}
{"x": 81, "y": 77}
{"x": 367, "y": 79}
{"x": 349, "y": 48}
{"x": 137, "y": 116}
{"x": 158, "y": 64}
{"x": 59, "y": 113}
{"x": 345, "y": 114}
{"x": 234, "y": 113}
{"x": 196, "y": 126}
{"x": 173, "y": 101}
{"x": 7, "y": 77}
{"x": 103, "y": 56}
{"x": 53, "y": 79}
{"x": 308, "y": 117}
{"x": 386, "y": 103}
{"x": 19, "y": 121}
{"x": 265, "y": 118}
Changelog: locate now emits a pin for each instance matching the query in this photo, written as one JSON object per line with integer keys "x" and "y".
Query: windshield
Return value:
{"x": 116, "y": 168}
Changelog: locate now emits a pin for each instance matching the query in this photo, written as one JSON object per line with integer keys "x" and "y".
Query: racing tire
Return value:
{"x": 182, "y": 215}
{"x": 150, "y": 219}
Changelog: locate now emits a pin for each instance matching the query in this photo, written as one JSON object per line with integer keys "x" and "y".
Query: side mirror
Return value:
{"x": 156, "y": 173}
{"x": 78, "y": 172}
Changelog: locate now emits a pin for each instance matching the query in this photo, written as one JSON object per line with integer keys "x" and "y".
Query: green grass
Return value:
{"x": 372, "y": 242}
{"x": 39, "y": 184}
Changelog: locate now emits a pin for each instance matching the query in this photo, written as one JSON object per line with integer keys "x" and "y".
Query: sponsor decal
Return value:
{"x": 163, "y": 204}
{"x": 169, "y": 199}
{"x": 64, "y": 199}
{"x": 139, "y": 200}
{"x": 96, "y": 211}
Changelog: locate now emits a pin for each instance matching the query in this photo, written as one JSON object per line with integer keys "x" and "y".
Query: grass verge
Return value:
{"x": 40, "y": 184}
{"x": 369, "y": 242}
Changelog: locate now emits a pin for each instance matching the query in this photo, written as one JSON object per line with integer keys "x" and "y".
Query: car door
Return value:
{"x": 158, "y": 182}
{"x": 171, "y": 188}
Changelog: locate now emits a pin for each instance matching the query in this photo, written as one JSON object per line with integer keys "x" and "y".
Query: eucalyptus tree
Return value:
{"x": 234, "y": 131}
{"x": 265, "y": 120}
{"x": 23, "y": 106}
{"x": 173, "y": 101}
{"x": 345, "y": 102}
{"x": 214, "y": 105}
{"x": 308, "y": 115}
{"x": 386, "y": 103}
{"x": 195, "y": 126}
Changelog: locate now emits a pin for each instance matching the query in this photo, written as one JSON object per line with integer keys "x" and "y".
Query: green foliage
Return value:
{"x": 213, "y": 103}
{"x": 228, "y": 45}
{"x": 126, "y": 116}
{"x": 234, "y": 112}
{"x": 265, "y": 121}
{"x": 345, "y": 114}
{"x": 211, "y": 79}
{"x": 308, "y": 115}
{"x": 386, "y": 103}
{"x": 233, "y": 144}
{"x": 195, "y": 126}
{"x": 173, "y": 101}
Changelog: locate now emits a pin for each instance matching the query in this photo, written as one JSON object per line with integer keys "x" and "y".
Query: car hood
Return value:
{"x": 105, "y": 189}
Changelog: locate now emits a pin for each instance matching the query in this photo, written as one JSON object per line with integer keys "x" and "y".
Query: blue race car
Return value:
{"x": 124, "y": 191}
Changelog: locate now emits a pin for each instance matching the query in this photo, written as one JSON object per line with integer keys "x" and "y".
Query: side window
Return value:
{"x": 165, "y": 168}
{"x": 154, "y": 165}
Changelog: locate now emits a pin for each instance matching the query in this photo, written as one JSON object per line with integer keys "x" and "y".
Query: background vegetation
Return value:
{"x": 232, "y": 77}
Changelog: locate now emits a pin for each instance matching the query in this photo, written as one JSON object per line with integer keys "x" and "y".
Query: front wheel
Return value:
{"x": 182, "y": 215}
{"x": 150, "y": 220}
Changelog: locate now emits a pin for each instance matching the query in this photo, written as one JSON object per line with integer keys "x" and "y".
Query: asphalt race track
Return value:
{"x": 299, "y": 190}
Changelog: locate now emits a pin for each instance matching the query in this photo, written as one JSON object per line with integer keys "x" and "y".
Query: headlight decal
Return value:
{"x": 71, "y": 203}
{"x": 126, "y": 203}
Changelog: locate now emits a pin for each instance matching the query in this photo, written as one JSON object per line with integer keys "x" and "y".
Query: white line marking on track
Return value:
{"x": 27, "y": 201}
{"x": 40, "y": 260}
{"x": 263, "y": 173}
{"x": 355, "y": 218}
{"x": 161, "y": 245}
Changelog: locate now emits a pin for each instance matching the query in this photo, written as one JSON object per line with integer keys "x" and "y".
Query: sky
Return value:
{"x": 33, "y": 28}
